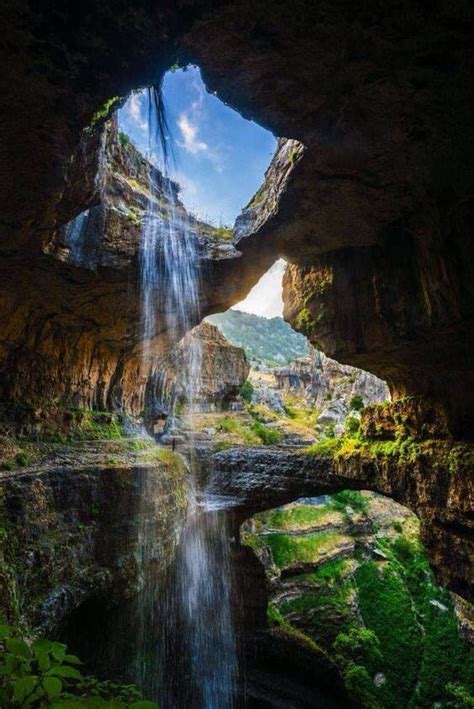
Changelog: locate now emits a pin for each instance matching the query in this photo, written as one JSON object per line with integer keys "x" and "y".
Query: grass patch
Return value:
{"x": 297, "y": 517}
{"x": 350, "y": 498}
{"x": 287, "y": 550}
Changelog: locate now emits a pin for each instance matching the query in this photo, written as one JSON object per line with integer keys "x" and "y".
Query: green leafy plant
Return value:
{"x": 42, "y": 674}
{"x": 351, "y": 425}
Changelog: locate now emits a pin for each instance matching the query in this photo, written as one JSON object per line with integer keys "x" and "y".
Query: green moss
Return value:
{"x": 350, "y": 498}
{"x": 104, "y": 112}
{"x": 294, "y": 517}
{"x": 287, "y": 549}
{"x": 333, "y": 571}
{"x": 387, "y": 610}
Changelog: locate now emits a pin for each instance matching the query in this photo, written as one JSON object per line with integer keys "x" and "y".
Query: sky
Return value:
{"x": 220, "y": 158}
{"x": 265, "y": 298}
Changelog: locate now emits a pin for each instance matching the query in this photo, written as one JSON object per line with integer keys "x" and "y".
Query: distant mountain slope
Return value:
{"x": 268, "y": 341}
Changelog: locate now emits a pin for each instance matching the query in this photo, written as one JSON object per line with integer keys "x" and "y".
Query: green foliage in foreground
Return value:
{"x": 42, "y": 674}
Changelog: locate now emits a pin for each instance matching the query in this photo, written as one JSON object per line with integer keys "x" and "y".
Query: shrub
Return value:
{"x": 350, "y": 498}
{"x": 268, "y": 436}
{"x": 42, "y": 674}
{"x": 351, "y": 425}
{"x": 356, "y": 403}
{"x": 124, "y": 139}
{"x": 22, "y": 459}
{"x": 246, "y": 391}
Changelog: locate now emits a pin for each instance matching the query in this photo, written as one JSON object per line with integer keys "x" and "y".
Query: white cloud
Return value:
{"x": 189, "y": 131}
{"x": 265, "y": 298}
{"x": 135, "y": 111}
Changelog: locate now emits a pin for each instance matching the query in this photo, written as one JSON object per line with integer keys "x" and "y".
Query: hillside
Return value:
{"x": 268, "y": 341}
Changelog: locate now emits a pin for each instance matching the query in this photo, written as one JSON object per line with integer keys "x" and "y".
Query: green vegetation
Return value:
{"x": 287, "y": 549}
{"x": 345, "y": 447}
{"x": 22, "y": 459}
{"x": 96, "y": 425}
{"x": 380, "y": 616}
{"x": 246, "y": 391}
{"x": 351, "y": 425}
{"x": 42, "y": 674}
{"x": 299, "y": 516}
{"x": 356, "y": 403}
{"x": 266, "y": 341}
{"x": 124, "y": 139}
{"x": 387, "y": 610}
{"x": 257, "y": 198}
{"x": 268, "y": 436}
{"x": 103, "y": 113}
{"x": 350, "y": 498}
{"x": 251, "y": 433}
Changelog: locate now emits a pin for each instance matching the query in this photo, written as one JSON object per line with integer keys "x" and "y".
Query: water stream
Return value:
{"x": 187, "y": 658}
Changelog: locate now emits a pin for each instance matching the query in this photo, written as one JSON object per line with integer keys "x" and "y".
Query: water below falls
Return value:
{"x": 200, "y": 666}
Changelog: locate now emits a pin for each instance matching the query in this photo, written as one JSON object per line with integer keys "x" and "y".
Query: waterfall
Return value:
{"x": 194, "y": 636}
{"x": 168, "y": 258}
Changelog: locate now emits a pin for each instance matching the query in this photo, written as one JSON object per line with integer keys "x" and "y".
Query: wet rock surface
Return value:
{"x": 72, "y": 533}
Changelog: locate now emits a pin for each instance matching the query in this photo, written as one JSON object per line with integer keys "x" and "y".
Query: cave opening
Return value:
{"x": 374, "y": 222}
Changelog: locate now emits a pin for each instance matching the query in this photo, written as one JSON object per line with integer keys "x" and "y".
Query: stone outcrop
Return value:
{"x": 433, "y": 478}
{"x": 64, "y": 543}
{"x": 203, "y": 366}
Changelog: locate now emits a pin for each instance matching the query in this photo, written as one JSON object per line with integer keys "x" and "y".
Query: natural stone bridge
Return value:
{"x": 443, "y": 498}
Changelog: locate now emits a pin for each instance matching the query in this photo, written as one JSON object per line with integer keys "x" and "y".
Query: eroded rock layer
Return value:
{"x": 432, "y": 477}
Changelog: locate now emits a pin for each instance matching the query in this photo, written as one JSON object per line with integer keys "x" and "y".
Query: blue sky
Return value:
{"x": 221, "y": 158}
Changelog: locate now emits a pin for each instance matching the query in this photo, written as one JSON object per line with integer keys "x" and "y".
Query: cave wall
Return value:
{"x": 381, "y": 96}
{"x": 64, "y": 544}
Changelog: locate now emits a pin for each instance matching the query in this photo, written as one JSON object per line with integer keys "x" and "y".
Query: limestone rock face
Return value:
{"x": 72, "y": 315}
{"x": 203, "y": 370}
{"x": 342, "y": 382}
{"x": 65, "y": 543}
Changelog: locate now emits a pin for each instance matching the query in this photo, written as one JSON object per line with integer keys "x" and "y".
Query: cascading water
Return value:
{"x": 195, "y": 649}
